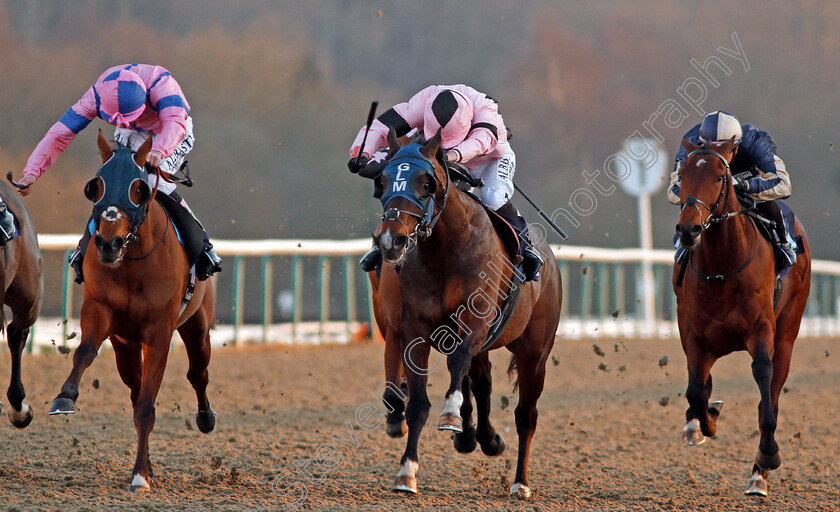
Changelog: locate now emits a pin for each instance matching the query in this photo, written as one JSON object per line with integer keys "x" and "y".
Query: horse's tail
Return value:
{"x": 513, "y": 372}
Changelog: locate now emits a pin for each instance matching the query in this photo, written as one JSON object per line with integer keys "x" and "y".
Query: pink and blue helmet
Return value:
{"x": 122, "y": 97}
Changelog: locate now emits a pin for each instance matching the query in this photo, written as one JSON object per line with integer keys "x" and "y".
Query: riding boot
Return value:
{"x": 784, "y": 247}
{"x": 372, "y": 259}
{"x": 531, "y": 257}
{"x": 208, "y": 262}
{"x": 7, "y": 223}
{"x": 787, "y": 254}
{"x": 77, "y": 258}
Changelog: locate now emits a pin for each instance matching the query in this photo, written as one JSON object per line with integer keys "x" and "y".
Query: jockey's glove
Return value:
{"x": 740, "y": 185}
{"x": 357, "y": 164}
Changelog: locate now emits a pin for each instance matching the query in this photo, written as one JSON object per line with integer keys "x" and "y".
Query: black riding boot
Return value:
{"x": 77, "y": 258}
{"x": 784, "y": 249}
{"x": 7, "y": 223}
{"x": 372, "y": 259}
{"x": 196, "y": 242}
{"x": 531, "y": 257}
{"x": 208, "y": 262}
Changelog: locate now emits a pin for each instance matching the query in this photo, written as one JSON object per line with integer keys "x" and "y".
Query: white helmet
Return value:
{"x": 720, "y": 126}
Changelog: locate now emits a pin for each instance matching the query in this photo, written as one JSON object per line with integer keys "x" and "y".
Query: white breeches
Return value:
{"x": 498, "y": 180}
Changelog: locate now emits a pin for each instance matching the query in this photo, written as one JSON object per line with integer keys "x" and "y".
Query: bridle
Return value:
{"x": 113, "y": 214}
{"x": 427, "y": 217}
{"x": 715, "y": 218}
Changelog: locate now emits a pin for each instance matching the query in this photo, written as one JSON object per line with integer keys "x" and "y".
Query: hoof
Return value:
{"x": 495, "y": 447}
{"x": 692, "y": 435}
{"x": 406, "y": 480}
{"x": 716, "y": 406}
{"x": 21, "y": 418}
{"x": 396, "y": 430}
{"x": 757, "y": 485}
{"x": 206, "y": 420}
{"x": 405, "y": 484}
{"x": 139, "y": 484}
{"x": 62, "y": 405}
{"x": 768, "y": 462}
{"x": 465, "y": 442}
{"x": 521, "y": 491}
{"x": 450, "y": 421}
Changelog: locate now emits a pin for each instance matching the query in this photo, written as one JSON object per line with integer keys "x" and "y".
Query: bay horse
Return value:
{"x": 454, "y": 275}
{"x": 22, "y": 275}
{"x": 726, "y": 303}
{"x": 134, "y": 291}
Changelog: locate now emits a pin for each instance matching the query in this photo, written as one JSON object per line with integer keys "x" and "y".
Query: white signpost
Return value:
{"x": 645, "y": 178}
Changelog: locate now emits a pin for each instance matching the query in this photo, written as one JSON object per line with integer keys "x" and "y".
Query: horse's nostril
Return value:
{"x": 695, "y": 230}
{"x": 399, "y": 241}
{"x": 98, "y": 241}
{"x": 119, "y": 242}
{"x": 679, "y": 229}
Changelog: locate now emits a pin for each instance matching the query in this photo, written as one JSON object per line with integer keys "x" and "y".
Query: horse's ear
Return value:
{"x": 430, "y": 149}
{"x": 393, "y": 142}
{"x": 689, "y": 146}
{"x": 104, "y": 148}
{"x": 727, "y": 149}
{"x": 140, "y": 155}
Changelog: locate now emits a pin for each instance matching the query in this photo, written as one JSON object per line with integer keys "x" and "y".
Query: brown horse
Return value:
{"x": 23, "y": 286}
{"x": 726, "y": 302}
{"x": 133, "y": 295}
{"x": 455, "y": 273}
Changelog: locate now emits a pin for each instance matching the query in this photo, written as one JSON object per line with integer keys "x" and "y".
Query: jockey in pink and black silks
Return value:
{"x": 141, "y": 101}
{"x": 473, "y": 134}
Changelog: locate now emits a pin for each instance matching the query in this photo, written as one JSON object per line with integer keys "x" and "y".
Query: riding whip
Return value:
{"x": 367, "y": 129}
{"x": 544, "y": 216}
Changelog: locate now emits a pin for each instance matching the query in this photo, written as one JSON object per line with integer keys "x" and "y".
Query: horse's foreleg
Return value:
{"x": 416, "y": 366}
{"x": 482, "y": 384}
{"x": 531, "y": 374}
{"x": 95, "y": 325}
{"x": 155, "y": 352}
{"x": 768, "y": 450}
{"x": 394, "y": 400}
{"x": 129, "y": 365}
{"x": 458, "y": 363}
{"x": 701, "y": 419}
{"x": 20, "y": 413}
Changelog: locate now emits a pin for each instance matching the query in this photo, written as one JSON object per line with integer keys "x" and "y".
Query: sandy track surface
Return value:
{"x": 605, "y": 441}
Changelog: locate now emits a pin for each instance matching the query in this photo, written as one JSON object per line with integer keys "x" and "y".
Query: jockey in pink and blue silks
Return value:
{"x": 142, "y": 101}
{"x": 473, "y": 134}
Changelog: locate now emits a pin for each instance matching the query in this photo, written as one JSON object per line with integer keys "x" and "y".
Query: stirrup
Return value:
{"x": 371, "y": 260}
{"x": 788, "y": 255}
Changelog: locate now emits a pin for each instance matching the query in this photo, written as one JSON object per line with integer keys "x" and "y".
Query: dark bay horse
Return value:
{"x": 133, "y": 295}
{"x": 725, "y": 302}
{"x": 22, "y": 275}
{"x": 454, "y": 274}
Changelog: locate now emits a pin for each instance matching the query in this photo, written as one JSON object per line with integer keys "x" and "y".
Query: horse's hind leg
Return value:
{"x": 458, "y": 363}
{"x": 531, "y": 373}
{"x": 95, "y": 323}
{"x": 393, "y": 397}
{"x": 155, "y": 352}
{"x": 129, "y": 359}
{"x": 700, "y": 418}
{"x": 20, "y": 413}
{"x": 465, "y": 441}
{"x": 196, "y": 335}
{"x": 482, "y": 385}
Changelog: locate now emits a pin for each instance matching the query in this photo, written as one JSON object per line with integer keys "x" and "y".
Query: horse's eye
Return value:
{"x": 427, "y": 186}
{"x": 719, "y": 178}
